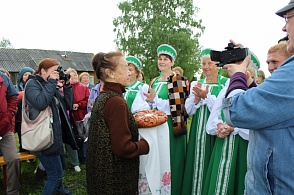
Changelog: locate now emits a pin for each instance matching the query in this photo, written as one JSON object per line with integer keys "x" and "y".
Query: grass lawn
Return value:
{"x": 74, "y": 181}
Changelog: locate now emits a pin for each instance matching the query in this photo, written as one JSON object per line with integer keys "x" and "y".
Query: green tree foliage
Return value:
{"x": 146, "y": 24}
{"x": 5, "y": 43}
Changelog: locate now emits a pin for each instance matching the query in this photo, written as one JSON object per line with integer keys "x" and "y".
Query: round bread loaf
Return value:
{"x": 150, "y": 118}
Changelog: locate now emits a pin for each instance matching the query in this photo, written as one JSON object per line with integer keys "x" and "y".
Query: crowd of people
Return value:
{"x": 232, "y": 145}
{"x": 68, "y": 101}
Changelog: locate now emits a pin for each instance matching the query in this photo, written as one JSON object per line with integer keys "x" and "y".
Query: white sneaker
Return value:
{"x": 77, "y": 168}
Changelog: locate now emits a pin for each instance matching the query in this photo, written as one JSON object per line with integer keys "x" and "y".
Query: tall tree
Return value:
{"x": 146, "y": 24}
{"x": 5, "y": 43}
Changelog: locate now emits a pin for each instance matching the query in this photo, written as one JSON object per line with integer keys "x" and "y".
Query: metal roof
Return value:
{"x": 15, "y": 59}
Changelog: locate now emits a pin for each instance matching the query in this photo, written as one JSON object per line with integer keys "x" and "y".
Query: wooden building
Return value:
{"x": 15, "y": 59}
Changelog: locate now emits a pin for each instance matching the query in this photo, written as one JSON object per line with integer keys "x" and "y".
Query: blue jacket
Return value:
{"x": 40, "y": 98}
{"x": 268, "y": 110}
{"x": 94, "y": 93}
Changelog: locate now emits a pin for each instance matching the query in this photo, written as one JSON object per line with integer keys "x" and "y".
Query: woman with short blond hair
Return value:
{"x": 84, "y": 78}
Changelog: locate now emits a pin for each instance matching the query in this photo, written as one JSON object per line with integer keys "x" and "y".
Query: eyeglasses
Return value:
{"x": 287, "y": 17}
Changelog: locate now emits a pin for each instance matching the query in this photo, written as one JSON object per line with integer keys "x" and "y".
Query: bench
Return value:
{"x": 23, "y": 156}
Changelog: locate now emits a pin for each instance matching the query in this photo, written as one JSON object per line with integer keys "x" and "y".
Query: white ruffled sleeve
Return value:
{"x": 244, "y": 133}
{"x": 209, "y": 101}
{"x": 162, "y": 105}
{"x": 190, "y": 105}
{"x": 215, "y": 114}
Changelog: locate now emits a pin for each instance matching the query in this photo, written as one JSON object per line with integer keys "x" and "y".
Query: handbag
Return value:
{"x": 37, "y": 134}
{"x": 82, "y": 129}
{"x": 83, "y": 126}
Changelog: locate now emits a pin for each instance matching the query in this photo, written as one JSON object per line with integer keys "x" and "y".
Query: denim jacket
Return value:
{"x": 268, "y": 110}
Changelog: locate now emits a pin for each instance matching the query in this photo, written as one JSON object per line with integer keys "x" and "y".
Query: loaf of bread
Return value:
{"x": 150, "y": 118}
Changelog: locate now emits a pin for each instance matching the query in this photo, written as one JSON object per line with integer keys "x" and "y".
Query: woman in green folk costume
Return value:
{"x": 228, "y": 164}
{"x": 171, "y": 92}
{"x": 134, "y": 94}
{"x": 200, "y": 143}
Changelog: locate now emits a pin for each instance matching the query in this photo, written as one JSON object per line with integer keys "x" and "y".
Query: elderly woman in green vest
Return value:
{"x": 171, "y": 92}
{"x": 134, "y": 94}
{"x": 198, "y": 105}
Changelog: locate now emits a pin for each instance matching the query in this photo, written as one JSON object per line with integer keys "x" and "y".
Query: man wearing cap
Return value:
{"x": 267, "y": 111}
{"x": 134, "y": 94}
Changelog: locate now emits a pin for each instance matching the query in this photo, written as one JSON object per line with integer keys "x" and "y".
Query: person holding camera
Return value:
{"x": 41, "y": 91}
{"x": 270, "y": 149}
{"x": 198, "y": 105}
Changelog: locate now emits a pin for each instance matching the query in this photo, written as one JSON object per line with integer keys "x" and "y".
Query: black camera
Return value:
{"x": 231, "y": 54}
{"x": 62, "y": 75}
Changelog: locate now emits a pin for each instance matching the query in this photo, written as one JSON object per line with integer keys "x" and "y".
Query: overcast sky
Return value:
{"x": 86, "y": 26}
